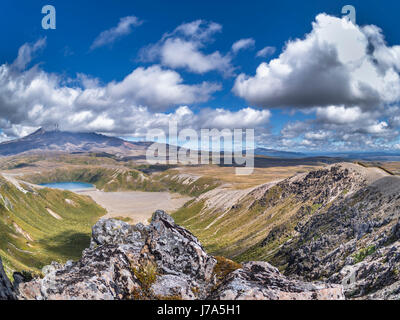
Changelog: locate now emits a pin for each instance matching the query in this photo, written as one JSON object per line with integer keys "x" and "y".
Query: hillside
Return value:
{"x": 38, "y": 226}
{"x": 328, "y": 224}
{"x": 110, "y": 179}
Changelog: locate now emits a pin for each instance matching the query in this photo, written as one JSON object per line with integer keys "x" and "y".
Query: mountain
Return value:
{"x": 367, "y": 155}
{"x": 278, "y": 153}
{"x": 339, "y": 224}
{"x": 55, "y": 140}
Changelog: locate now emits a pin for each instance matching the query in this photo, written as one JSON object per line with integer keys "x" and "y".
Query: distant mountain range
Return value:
{"x": 63, "y": 141}
{"x": 349, "y": 155}
{"x": 73, "y": 142}
{"x": 278, "y": 153}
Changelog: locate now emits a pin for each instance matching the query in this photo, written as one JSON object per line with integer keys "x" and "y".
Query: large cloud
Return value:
{"x": 337, "y": 63}
{"x": 183, "y": 48}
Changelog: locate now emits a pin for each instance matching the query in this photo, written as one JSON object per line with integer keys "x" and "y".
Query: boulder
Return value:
{"x": 261, "y": 281}
{"x": 177, "y": 251}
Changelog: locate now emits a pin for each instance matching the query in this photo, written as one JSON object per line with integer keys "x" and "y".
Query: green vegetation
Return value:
{"x": 124, "y": 219}
{"x": 238, "y": 232}
{"x": 363, "y": 253}
{"x": 43, "y": 225}
{"x": 253, "y": 229}
{"x": 224, "y": 267}
{"x": 315, "y": 207}
{"x": 391, "y": 168}
{"x": 146, "y": 274}
{"x": 188, "y": 211}
{"x": 387, "y": 171}
{"x": 184, "y": 185}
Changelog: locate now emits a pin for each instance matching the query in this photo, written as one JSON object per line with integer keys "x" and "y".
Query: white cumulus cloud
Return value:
{"x": 337, "y": 63}
{"x": 184, "y": 48}
{"x": 243, "y": 44}
{"x": 265, "y": 52}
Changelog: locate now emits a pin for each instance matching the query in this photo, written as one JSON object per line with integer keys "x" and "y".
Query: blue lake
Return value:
{"x": 70, "y": 185}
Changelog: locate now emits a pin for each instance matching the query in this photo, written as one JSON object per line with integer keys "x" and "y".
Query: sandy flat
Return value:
{"x": 136, "y": 205}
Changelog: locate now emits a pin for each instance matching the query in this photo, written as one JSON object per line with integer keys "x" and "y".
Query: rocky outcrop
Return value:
{"x": 351, "y": 233}
{"x": 377, "y": 276}
{"x": 6, "y": 289}
{"x": 261, "y": 281}
{"x": 161, "y": 261}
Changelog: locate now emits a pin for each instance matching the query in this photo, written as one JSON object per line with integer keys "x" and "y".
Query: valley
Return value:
{"x": 136, "y": 206}
{"x": 125, "y": 189}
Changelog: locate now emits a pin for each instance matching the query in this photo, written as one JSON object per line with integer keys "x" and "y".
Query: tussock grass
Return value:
{"x": 30, "y": 237}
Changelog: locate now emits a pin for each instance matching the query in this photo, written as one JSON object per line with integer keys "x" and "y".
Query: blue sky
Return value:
{"x": 65, "y": 62}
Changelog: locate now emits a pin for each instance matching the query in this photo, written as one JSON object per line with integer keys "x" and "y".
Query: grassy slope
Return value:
{"x": 30, "y": 237}
{"x": 239, "y": 233}
{"x": 175, "y": 183}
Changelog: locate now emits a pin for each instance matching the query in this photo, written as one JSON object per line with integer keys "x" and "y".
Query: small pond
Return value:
{"x": 69, "y": 185}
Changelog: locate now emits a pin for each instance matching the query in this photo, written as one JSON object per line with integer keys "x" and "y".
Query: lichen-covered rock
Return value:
{"x": 377, "y": 276}
{"x": 6, "y": 289}
{"x": 102, "y": 274}
{"x": 111, "y": 231}
{"x": 171, "y": 286}
{"x": 261, "y": 281}
{"x": 177, "y": 251}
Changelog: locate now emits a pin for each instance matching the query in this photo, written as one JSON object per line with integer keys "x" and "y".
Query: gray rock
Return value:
{"x": 177, "y": 251}
{"x": 170, "y": 286}
{"x": 104, "y": 273}
{"x": 261, "y": 281}
{"x": 377, "y": 276}
{"x": 6, "y": 288}
{"x": 112, "y": 231}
